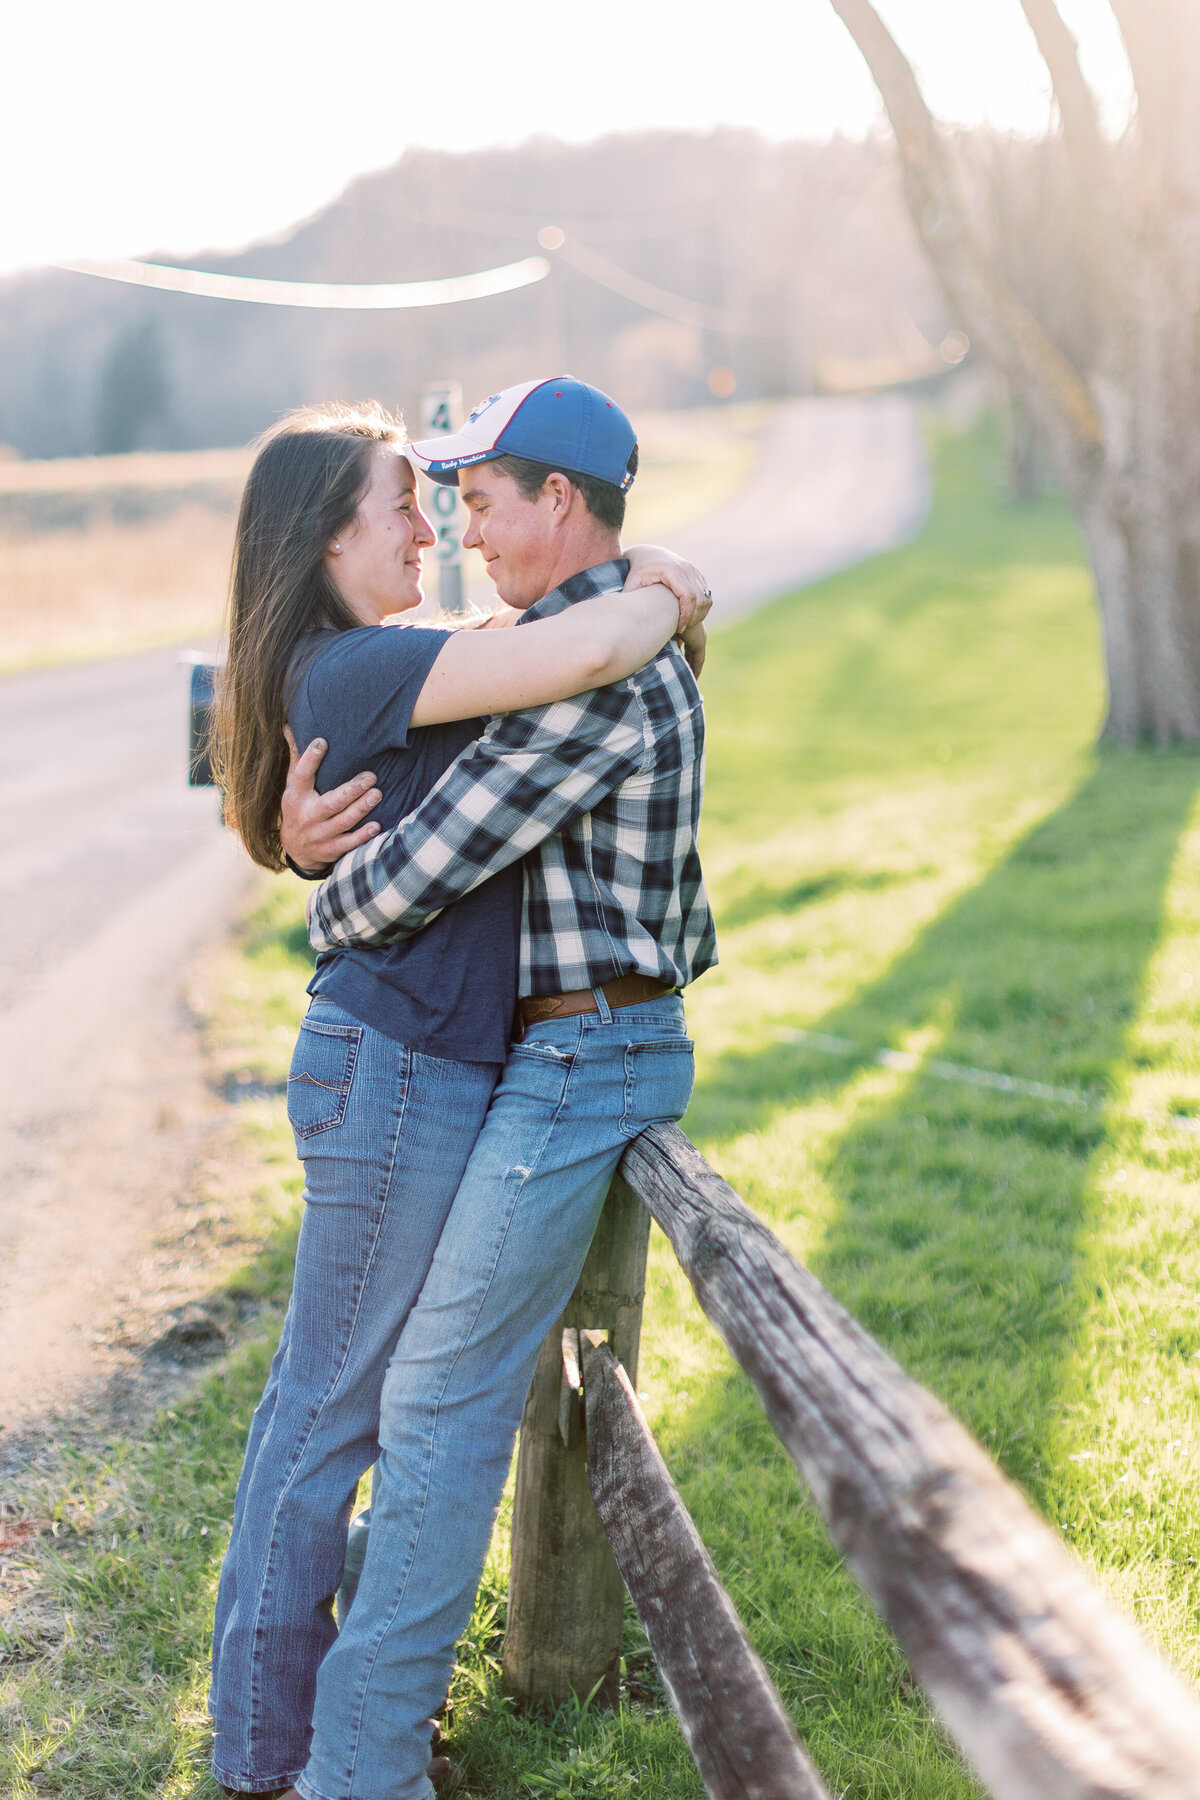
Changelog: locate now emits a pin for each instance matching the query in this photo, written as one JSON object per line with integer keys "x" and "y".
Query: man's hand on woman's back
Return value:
{"x": 316, "y": 829}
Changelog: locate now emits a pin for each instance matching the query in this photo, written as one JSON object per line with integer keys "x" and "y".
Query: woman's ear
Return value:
{"x": 335, "y": 547}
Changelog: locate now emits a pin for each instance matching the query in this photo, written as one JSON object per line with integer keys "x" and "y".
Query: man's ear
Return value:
{"x": 560, "y": 491}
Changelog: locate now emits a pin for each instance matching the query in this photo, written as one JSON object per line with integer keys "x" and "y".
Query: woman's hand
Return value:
{"x": 694, "y": 642}
{"x": 651, "y": 566}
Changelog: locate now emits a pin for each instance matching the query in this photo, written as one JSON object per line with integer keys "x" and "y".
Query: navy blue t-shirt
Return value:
{"x": 451, "y": 990}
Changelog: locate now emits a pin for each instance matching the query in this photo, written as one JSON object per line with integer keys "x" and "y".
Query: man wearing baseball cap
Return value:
{"x": 561, "y": 422}
{"x": 601, "y": 797}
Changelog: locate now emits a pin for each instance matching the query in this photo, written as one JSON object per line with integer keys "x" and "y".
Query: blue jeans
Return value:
{"x": 572, "y": 1095}
{"x": 384, "y": 1134}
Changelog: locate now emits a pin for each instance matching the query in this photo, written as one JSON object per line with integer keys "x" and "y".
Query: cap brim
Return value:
{"x": 442, "y": 458}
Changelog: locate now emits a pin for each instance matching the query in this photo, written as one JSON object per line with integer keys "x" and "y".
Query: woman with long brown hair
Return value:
{"x": 402, "y": 1045}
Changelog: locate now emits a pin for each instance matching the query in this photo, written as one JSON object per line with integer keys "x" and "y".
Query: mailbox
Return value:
{"x": 200, "y": 715}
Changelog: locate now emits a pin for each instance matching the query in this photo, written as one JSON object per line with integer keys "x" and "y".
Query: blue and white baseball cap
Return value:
{"x": 562, "y": 422}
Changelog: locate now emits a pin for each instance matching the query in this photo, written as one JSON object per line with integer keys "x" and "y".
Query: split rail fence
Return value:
{"x": 1050, "y": 1692}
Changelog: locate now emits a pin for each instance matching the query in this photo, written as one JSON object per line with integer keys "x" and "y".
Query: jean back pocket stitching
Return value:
{"x": 351, "y": 1036}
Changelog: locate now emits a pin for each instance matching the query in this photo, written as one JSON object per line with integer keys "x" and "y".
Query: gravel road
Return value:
{"x": 837, "y": 480}
{"x": 114, "y": 875}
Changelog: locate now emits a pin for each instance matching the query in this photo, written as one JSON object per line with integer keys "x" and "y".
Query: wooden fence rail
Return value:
{"x": 736, "y": 1726}
{"x": 1050, "y": 1692}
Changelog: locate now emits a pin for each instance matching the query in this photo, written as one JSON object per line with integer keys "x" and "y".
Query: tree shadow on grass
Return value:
{"x": 955, "y": 1232}
{"x": 954, "y": 1239}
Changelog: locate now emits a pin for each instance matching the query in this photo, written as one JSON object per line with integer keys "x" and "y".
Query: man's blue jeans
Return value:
{"x": 384, "y": 1134}
{"x": 572, "y": 1095}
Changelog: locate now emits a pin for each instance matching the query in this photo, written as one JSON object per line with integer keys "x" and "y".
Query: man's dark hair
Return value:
{"x": 603, "y": 500}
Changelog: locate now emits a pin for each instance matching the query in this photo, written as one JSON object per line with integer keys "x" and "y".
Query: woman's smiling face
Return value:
{"x": 375, "y": 563}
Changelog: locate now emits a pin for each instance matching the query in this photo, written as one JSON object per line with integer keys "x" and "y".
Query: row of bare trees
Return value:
{"x": 1113, "y": 392}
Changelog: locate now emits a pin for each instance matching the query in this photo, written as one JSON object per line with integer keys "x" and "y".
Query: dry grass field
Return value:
{"x": 110, "y": 554}
{"x": 113, "y": 553}
{"x": 71, "y": 594}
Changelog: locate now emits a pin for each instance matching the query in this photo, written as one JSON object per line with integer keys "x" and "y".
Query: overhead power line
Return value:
{"x": 628, "y": 227}
{"x": 644, "y": 293}
{"x": 445, "y": 291}
{"x": 353, "y": 296}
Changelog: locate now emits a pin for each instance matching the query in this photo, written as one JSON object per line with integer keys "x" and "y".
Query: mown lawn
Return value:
{"x": 913, "y": 845}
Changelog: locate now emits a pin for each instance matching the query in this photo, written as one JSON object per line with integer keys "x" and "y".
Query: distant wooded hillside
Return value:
{"x": 803, "y": 249}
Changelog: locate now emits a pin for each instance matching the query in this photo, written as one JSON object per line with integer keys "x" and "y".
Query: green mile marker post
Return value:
{"x": 441, "y": 412}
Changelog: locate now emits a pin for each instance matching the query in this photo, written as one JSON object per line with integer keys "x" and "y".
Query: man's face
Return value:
{"x": 519, "y": 538}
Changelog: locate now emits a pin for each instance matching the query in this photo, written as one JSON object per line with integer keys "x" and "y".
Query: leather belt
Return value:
{"x": 626, "y": 990}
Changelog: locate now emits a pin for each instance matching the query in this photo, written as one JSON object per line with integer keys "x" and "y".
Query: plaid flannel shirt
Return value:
{"x": 600, "y": 795}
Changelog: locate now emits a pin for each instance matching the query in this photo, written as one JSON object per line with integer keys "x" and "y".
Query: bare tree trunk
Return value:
{"x": 1134, "y": 517}
{"x": 1025, "y": 483}
{"x": 1147, "y": 577}
{"x": 1164, "y": 614}
{"x": 1123, "y": 436}
{"x": 1107, "y": 549}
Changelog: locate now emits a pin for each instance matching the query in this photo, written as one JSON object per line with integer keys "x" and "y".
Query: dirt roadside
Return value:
{"x": 123, "y": 1169}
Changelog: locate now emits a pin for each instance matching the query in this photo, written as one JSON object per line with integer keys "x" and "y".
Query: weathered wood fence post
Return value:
{"x": 566, "y": 1599}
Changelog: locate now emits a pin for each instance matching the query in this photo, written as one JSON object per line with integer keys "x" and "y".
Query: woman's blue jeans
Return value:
{"x": 571, "y": 1097}
{"x": 385, "y": 1135}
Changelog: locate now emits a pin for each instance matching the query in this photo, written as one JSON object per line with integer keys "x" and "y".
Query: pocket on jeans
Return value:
{"x": 321, "y": 1076}
{"x": 538, "y": 1050}
{"x": 658, "y": 1082}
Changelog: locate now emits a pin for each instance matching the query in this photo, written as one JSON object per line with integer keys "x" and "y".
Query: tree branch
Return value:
{"x": 1162, "y": 42}
{"x": 1052, "y": 390}
{"x": 1141, "y": 23}
{"x": 1077, "y": 109}
{"x": 1101, "y": 213}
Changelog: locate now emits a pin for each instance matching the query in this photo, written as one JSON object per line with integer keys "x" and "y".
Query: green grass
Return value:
{"x": 912, "y": 844}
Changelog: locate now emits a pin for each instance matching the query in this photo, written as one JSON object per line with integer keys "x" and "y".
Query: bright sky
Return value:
{"x": 138, "y": 126}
